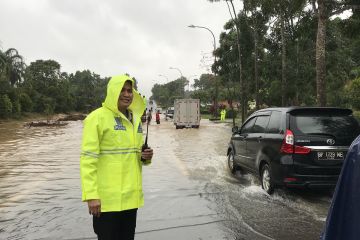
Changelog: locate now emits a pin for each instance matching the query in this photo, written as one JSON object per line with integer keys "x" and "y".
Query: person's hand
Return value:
{"x": 147, "y": 154}
{"x": 94, "y": 207}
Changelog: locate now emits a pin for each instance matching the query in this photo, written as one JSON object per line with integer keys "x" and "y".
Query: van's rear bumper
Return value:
{"x": 322, "y": 177}
{"x": 313, "y": 182}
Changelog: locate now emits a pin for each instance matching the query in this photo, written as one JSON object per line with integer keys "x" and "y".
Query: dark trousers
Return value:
{"x": 115, "y": 225}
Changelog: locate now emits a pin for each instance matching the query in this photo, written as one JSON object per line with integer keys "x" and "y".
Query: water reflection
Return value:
{"x": 38, "y": 180}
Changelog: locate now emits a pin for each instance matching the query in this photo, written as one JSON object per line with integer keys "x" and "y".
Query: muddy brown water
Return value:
{"x": 189, "y": 193}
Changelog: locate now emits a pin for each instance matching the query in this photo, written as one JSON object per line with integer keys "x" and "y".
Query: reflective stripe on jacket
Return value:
{"x": 110, "y": 162}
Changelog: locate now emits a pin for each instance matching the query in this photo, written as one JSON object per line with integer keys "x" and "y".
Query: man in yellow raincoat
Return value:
{"x": 111, "y": 161}
{"x": 223, "y": 114}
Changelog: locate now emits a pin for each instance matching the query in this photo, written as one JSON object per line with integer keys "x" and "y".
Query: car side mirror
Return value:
{"x": 235, "y": 129}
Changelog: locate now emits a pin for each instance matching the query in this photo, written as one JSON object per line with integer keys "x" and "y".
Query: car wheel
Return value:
{"x": 266, "y": 180}
{"x": 231, "y": 163}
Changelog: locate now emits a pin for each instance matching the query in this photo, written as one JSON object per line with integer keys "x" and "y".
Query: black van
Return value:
{"x": 294, "y": 146}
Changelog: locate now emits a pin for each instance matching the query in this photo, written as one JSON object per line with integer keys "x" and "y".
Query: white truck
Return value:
{"x": 187, "y": 113}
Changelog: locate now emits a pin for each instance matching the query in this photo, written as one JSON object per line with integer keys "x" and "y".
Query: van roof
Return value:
{"x": 296, "y": 109}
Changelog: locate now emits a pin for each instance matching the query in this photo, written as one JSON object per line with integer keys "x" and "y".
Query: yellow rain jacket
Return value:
{"x": 110, "y": 162}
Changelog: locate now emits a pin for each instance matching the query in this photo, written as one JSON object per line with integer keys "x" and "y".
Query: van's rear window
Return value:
{"x": 324, "y": 123}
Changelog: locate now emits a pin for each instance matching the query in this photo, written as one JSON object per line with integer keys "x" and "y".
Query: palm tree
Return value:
{"x": 12, "y": 66}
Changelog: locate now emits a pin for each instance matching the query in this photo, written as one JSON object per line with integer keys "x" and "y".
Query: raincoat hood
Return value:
{"x": 344, "y": 213}
{"x": 114, "y": 87}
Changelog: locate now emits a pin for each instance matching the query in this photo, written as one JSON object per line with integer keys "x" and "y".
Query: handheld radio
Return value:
{"x": 145, "y": 145}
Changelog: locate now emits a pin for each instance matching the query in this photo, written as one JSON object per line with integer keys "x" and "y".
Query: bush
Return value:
{"x": 16, "y": 107}
{"x": 26, "y": 102}
{"x": 204, "y": 110}
{"x": 231, "y": 113}
{"x": 352, "y": 91}
{"x": 5, "y": 106}
{"x": 357, "y": 115}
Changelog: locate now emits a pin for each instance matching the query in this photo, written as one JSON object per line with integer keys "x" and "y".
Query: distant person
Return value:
{"x": 157, "y": 117}
{"x": 223, "y": 114}
{"x": 344, "y": 213}
{"x": 111, "y": 161}
{"x": 149, "y": 116}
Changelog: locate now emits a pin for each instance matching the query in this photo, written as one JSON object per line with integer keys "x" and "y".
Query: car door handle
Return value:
{"x": 238, "y": 136}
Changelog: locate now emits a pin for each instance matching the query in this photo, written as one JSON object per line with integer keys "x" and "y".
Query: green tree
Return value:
{"x": 323, "y": 12}
{"x": 12, "y": 66}
{"x": 165, "y": 94}
{"x": 26, "y": 102}
{"x": 236, "y": 24}
{"x": 43, "y": 78}
{"x": 352, "y": 90}
{"x": 88, "y": 90}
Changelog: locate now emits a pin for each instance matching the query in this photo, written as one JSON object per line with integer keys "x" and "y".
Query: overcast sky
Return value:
{"x": 110, "y": 37}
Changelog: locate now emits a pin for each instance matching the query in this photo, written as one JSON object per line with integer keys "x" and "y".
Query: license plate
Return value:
{"x": 330, "y": 155}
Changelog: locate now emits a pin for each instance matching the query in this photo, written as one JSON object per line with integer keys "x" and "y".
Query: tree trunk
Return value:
{"x": 216, "y": 95}
{"x": 256, "y": 74}
{"x": 242, "y": 90}
{"x": 296, "y": 101}
{"x": 283, "y": 64}
{"x": 229, "y": 100}
{"x": 320, "y": 56}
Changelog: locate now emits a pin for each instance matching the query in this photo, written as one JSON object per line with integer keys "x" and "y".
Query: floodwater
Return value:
{"x": 189, "y": 193}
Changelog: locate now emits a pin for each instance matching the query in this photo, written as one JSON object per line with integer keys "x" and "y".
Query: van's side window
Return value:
{"x": 260, "y": 124}
{"x": 247, "y": 128}
{"x": 274, "y": 123}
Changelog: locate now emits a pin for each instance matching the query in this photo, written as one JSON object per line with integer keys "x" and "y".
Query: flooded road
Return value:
{"x": 189, "y": 193}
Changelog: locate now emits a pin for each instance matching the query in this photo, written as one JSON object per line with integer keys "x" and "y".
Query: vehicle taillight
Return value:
{"x": 289, "y": 147}
{"x": 288, "y": 143}
{"x": 302, "y": 150}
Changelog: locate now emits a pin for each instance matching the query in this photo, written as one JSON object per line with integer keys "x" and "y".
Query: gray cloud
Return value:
{"x": 110, "y": 37}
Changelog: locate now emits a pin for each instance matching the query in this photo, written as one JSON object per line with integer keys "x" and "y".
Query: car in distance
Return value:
{"x": 293, "y": 146}
{"x": 170, "y": 112}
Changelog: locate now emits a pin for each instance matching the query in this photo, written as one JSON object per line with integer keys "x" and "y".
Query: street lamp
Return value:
{"x": 177, "y": 69}
{"x": 167, "y": 79}
{"x": 214, "y": 43}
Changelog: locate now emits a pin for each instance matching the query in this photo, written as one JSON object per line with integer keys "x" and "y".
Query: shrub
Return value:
{"x": 357, "y": 115}
{"x": 352, "y": 91}
{"x": 26, "y": 102}
{"x": 231, "y": 113}
{"x": 5, "y": 106}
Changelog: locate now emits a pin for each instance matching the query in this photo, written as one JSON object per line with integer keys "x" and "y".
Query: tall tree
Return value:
{"x": 88, "y": 90}
{"x": 235, "y": 18}
{"x": 257, "y": 20}
{"x": 324, "y": 10}
{"x": 42, "y": 81}
{"x": 165, "y": 94}
{"x": 12, "y": 66}
{"x": 320, "y": 54}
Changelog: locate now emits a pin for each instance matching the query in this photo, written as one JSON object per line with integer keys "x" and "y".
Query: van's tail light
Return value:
{"x": 289, "y": 147}
{"x": 302, "y": 150}
{"x": 288, "y": 142}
